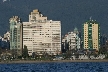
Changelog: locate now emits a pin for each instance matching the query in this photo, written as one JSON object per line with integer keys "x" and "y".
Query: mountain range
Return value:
{"x": 71, "y": 13}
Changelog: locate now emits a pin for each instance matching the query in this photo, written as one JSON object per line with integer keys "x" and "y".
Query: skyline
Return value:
{"x": 71, "y": 13}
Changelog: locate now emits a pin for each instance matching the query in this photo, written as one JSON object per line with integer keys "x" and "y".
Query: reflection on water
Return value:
{"x": 56, "y": 67}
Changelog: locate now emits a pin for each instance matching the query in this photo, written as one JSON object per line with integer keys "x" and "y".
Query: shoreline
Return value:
{"x": 29, "y": 61}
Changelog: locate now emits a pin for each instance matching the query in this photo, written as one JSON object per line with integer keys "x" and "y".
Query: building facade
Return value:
{"x": 103, "y": 39}
{"x": 91, "y": 35}
{"x": 5, "y": 41}
{"x": 77, "y": 38}
{"x": 7, "y": 35}
{"x": 16, "y": 35}
{"x": 41, "y": 35}
{"x": 71, "y": 40}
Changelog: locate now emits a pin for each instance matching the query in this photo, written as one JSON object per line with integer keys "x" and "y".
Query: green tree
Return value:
{"x": 0, "y": 50}
{"x": 68, "y": 54}
{"x": 103, "y": 50}
{"x": 25, "y": 52}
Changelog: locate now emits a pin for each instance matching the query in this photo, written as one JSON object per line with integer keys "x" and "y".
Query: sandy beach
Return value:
{"x": 29, "y": 61}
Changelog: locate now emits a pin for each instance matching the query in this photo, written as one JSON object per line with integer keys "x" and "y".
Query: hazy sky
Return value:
{"x": 72, "y": 13}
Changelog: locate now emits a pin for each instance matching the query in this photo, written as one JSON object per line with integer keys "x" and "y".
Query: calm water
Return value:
{"x": 56, "y": 67}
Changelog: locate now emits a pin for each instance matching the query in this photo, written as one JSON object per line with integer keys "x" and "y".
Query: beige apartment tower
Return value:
{"x": 91, "y": 35}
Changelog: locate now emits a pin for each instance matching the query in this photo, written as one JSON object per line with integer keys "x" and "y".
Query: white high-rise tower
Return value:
{"x": 41, "y": 35}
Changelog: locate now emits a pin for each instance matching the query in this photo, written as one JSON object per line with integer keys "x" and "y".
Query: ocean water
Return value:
{"x": 56, "y": 67}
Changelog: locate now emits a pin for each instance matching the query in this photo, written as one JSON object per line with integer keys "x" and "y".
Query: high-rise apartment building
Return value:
{"x": 91, "y": 35}
{"x": 77, "y": 38}
{"x": 16, "y": 35}
{"x": 41, "y": 35}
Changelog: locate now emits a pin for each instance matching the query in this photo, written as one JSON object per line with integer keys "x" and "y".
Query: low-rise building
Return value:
{"x": 71, "y": 40}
